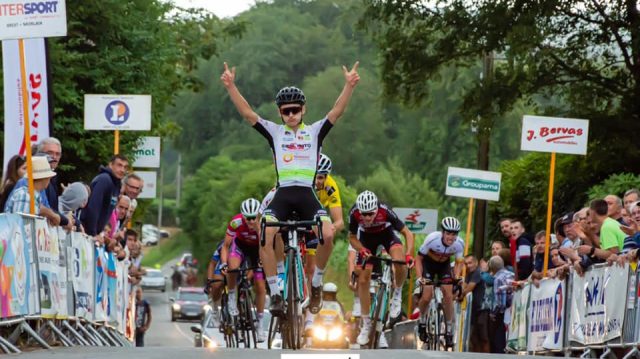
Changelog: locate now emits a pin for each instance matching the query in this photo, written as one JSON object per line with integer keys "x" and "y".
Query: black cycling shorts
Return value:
{"x": 436, "y": 271}
{"x": 302, "y": 200}
{"x": 372, "y": 241}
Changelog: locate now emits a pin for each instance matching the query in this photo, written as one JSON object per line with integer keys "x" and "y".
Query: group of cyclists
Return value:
{"x": 305, "y": 187}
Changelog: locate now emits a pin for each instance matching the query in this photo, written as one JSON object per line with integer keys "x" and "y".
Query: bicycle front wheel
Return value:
{"x": 293, "y": 304}
{"x": 376, "y": 320}
{"x": 250, "y": 321}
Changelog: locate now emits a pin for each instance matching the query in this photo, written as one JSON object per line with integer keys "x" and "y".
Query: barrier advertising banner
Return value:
{"x": 112, "y": 288}
{"x": 597, "y": 305}
{"x": 517, "y": 336}
{"x": 546, "y": 316}
{"x": 38, "y": 97}
{"x": 122, "y": 271}
{"x": 62, "y": 288}
{"x": 29, "y": 228}
{"x": 15, "y": 268}
{"x": 48, "y": 250}
{"x": 82, "y": 274}
{"x": 100, "y": 285}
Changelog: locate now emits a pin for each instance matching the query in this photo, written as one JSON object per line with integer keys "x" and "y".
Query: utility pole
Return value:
{"x": 484, "y": 138}
{"x": 178, "y": 186}
{"x": 161, "y": 202}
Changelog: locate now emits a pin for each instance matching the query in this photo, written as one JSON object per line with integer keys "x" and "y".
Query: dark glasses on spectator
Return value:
{"x": 291, "y": 110}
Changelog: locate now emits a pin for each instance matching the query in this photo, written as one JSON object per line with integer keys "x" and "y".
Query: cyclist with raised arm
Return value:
{"x": 372, "y": 224}
{"x": 241, "y": 243}
{"x": 434, "y": 265}
{"x": 296, "y": 148}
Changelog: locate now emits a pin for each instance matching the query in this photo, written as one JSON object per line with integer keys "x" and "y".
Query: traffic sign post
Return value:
{"x": 555, "y": 135}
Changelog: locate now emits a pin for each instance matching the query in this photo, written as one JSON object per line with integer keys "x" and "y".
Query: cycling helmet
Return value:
{"x": 324, "y": 164}
{"x": 288, "y": 95}
{"x": 367, "y": 202}
{"x": 330, "y": 288}
{"x": 450, "y": 224}
{"x": 250, "y": 207}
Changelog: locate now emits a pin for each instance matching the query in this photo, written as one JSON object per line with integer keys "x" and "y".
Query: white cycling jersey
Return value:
{"x": 434, "y": 248}
{"x": 266, "y": 200}
{"x": 295, "y": 153}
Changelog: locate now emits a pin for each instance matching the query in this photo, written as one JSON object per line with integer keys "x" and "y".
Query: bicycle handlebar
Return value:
{"x": 383, "y": 259}
{"x": 295, "y": 225}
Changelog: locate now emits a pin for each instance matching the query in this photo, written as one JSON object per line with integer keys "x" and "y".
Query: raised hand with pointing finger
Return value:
{"x": 228, "y": 77}
{"x": 351, "y": 77}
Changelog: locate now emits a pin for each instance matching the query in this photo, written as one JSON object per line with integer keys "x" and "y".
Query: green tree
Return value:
{"x": 123, "y": 47}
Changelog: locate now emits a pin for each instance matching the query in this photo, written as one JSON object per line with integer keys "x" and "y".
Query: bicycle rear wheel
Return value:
{"x": 226, "y": 323}
{"x": 250, "y": 320}
{"x": 432, "y": 327}
{"x": 442, "y": 329}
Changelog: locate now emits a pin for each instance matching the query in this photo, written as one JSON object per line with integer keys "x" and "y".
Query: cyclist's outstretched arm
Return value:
{"x": 408, "y": 236}
{"x": 355, "y": 243}
{"x": 336, "y": 217}
{"x": 228, "y": 78}
{"x": 351, "y": 79}
{"x": 224, "y": 250}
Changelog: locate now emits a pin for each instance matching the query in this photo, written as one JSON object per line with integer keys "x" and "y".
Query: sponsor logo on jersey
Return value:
{"x": 296, "y": 146}
{"x": 474, "y": 184}
{"x": 287, "y": 157}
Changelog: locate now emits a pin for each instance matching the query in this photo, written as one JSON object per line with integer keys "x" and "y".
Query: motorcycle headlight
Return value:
{"x": 335, "y": 333}
{"x": 176, "y": 307}
{"x": 320, "y": 333}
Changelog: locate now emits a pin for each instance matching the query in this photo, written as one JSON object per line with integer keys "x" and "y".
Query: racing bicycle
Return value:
{"x": 296, "y": 294}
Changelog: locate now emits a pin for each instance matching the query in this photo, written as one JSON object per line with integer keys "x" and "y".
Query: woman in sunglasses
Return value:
{"x": 295, "y": 147}
{"x": 372, "y": 224}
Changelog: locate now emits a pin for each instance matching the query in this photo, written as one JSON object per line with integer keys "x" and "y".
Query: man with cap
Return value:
{"x": 20, "y": 199}
{"x": 566, "y": 230}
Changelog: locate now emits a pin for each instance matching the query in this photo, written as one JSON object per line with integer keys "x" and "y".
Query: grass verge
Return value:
{"x": 166, "y": 251}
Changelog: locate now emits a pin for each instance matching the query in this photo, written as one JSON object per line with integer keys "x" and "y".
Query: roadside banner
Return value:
{"x": 546, "y": 318}
{"x": 148, "y": 153}
{"x": 48, "y": 250}
{"x": 82, "y": 274}
{"x": 112, "y": 288}
{"x": 63, "y": 277}
{"x": 469, "y": 183}
{"x": 418, "y": 220}
{"x": 554, "y": 134}
{"x": 100, "y": 285}
{"x": 517, "y": 336}
{"x": 597, "y": 305}
{"x": 117, "y": 112}
{"x": 37, "y": 87}
{"x": 122, "y": 271}
{"x": 21, "y": 19}
{"x": 29, "y": 227}
{"x": 15, "y": 268}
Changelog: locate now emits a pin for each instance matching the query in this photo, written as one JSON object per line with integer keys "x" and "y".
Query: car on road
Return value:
{"x": 154, "y": 279}
{"x": 189, "y": 303}
{"x": 150, "y": 235}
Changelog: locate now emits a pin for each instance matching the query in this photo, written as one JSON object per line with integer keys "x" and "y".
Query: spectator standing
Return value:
{"x": 614, "y": 208}
{"x": 502, "y": 291}
{"x": 521, "y": 243}
{"x": 143, "y": 317}
{"x": 105, "y": 189}
{"x": 73, "y": 199}
{"x": 479, "y": 338}
{"x": 19, "y": 200}
{"x": 16, "y": 169}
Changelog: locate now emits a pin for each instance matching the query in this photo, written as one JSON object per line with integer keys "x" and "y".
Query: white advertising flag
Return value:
{"x": 38, "y": 97}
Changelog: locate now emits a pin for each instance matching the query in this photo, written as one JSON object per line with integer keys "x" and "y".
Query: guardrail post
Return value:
{"x": 98, "y": 335}
{"x": 63, "y": 338}
{"x": 90, "y": 336}
{"x": 76, "y": 335}
{"x": 27, "y": 328}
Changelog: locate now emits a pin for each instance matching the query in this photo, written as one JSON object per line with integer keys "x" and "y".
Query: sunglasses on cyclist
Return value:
{"x": 250, "y": 218}
{"x": 451, "y": 232}
{"x": 291, "y": 110}
{"x": 368, "y": 214}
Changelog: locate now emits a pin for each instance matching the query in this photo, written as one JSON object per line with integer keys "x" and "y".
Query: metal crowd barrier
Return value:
{"x": 50, "y": 289}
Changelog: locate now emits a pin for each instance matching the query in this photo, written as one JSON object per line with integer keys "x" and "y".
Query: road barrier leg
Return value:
{"x": 633, "y": 353}
{"x": 106, "y": 335}
{"x": 75, "y": 334}
{"x": 88, "y": 335}
{"x": 606, "y": 353}
{"x": 27, "y": 328}
{"x": 7, "y": 347}
{"x": 98, "y": 336}
{"x": 63, "y": 338}
{"x": 586, "y": 353}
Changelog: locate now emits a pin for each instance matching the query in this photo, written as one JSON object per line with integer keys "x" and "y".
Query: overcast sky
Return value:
{"x": 222, "y": 8}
